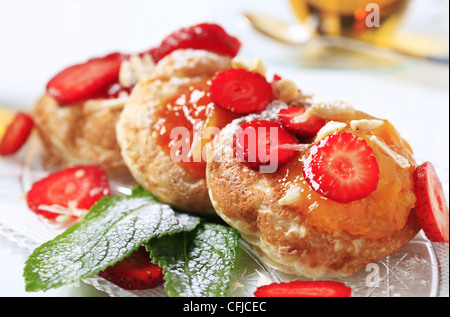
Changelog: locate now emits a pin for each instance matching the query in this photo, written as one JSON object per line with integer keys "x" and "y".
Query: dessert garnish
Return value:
{"x": 296, "y": 120}
{"x": 68, "y": 194}
{"x": 136, "y": 272}
{"x": 241, "y": 91}
{"x": 342, "y": 167}
{"x": 16, "y": 134}
{"x": 99, "y": 77}
{"x": 197, "y": 263}
{"x": 182, "y": 245}
{"x": 204, "y": 36}
{"x": 262, "y": 142}
{"x": 431, "y": 207}
{"x": 86, "y": 81}
{"x": 304, "y": 289}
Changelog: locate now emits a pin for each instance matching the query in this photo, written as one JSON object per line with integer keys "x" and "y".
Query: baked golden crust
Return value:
{"x": 249, "y": 201}
{"x": 148, "y": 162}
{"x": 80, "y": 134}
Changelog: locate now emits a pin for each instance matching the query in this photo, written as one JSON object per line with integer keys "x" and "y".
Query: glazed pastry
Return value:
{"x": 171, "y": 116}
{"x": 77, "y": 114}
{"x": 174, "y": 96}
{"x": 338, "y": 194}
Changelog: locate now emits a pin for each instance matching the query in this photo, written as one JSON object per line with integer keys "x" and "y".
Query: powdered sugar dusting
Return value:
{"x": 184, "y": 59}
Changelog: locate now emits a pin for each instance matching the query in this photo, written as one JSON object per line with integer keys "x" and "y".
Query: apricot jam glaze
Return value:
{"x": 193, "y": 111}
{"x": 378, "y": 215}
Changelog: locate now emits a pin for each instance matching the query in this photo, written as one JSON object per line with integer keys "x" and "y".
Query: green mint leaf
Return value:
{"x": 140, "y": 191}
{"x": 197, "y": 263}
{"x": 113, "y": 228}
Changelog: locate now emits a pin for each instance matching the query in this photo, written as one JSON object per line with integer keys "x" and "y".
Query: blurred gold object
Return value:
{"x": 373, "y": 21}
{"x": 5, "y": 118}
{"x": 319, "y": 45}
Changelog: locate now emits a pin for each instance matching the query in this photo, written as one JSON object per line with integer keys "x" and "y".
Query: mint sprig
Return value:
{"x": 198, "y": 263}
{"x": 113, "y": 228}
{"x": 197, "y": 256}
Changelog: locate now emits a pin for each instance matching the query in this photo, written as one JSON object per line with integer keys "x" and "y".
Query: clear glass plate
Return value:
{"x": 419, "y": 269}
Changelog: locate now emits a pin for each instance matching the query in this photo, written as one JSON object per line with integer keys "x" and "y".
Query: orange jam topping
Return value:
{"x": 187, "y": 124}
{"x": 376, "y": 216}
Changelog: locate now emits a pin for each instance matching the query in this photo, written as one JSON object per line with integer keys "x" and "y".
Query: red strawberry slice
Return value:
{"x": 261, "y": 143}
{"x": 16, "y": 135}
{"x": 69, "y": 192}
{"x": 205, "y": 36}
{"x": 431, "y": 207}
{"x": 304, "y": 289}
{"x": 342, "y": 167}
{"x": 276, "y": 78}
{"x": 241, "y": 91}
{"x": 85, "y": 81}
{"x": 137, "y": 272}
{"x": 98, "y": 77}
{"x": 299, "y": 122}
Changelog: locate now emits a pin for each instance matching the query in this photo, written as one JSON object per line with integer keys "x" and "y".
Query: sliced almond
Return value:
{"x": 366, "y": 125}
{"x": 135, "y": 69}
{"x": 142, "y": 66}
{"x": 336, "y": 110}
{"x": 329, "y": 128}
{"x": 285, "y": 90}
{"x": 94, "y": 105}
{"x": 126, "y": 75}
{"x": 399, "y": 160}
{"x": 69, "y": 211}
{"x": 292, "y": 195}
{"x": 256, "y": 65}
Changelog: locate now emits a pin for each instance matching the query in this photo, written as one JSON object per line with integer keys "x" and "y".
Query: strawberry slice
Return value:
{"x": 299, "y": 122}
{"x": 342, "y": 167}
{"x": 85, "y": 81}
{"x": 304, "y": 289}
{"x": 98, "y": 77}
{"x": 69, "y": 192}
{"x": 137, "y": 272}
{"x": 205, "y": 36}
{"x": 16, "y": 134}
{"x": 431, "y": 207}
{"x": 261, "y": 143}
{"x": 241, "y": 91}
{"x": 276, "y": 78}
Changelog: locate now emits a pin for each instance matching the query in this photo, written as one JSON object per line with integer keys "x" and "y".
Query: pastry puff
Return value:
{"x": 81, "y": 134}
{"x": 273, "y": 219}
{"x": 150, "y": 164}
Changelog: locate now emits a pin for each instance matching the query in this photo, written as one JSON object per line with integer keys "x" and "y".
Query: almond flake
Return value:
{"x": 135, "y": 69}
{"x": 336, "y": 110}
{"x": 285, "y": 90}
{"x": 292, "y": 195}
{"x": 101, "y": 104}
{"x": 142, "y": 66}
{"x": 400, "y": 160}
{"x": 71, "y": 210}
{"x": 256, "y": 65}
{"x": 329, "y": 128}
{"x": 63, "y": 218}
{"x": 366, "y": 125}
{"x": 126, "y": 76}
